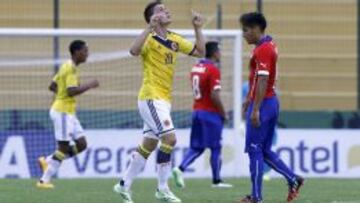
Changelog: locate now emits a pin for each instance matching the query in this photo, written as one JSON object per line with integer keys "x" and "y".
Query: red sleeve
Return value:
{"x": 215, "y": 79}
{"x": 264, "y": 60}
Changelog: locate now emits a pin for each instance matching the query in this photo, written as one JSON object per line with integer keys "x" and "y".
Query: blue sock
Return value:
{"x": 274, "y": 161}
{"x": 190, "y": 157}
{"x": 256, "y": 170}
{"x": 215, "y": 161}
{"x": 164, "y": 154}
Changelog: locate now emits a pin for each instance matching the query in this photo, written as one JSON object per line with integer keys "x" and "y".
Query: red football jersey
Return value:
{"x": 205, "y": 77}
{"x": 263, "y": 62}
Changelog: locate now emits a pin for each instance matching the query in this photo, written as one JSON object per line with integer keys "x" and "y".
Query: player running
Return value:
{"x": 158, "y": 48}
{"x": 262, "y": 109}
{"x": 208, "y": 116}
{"x": 66, "y": 86}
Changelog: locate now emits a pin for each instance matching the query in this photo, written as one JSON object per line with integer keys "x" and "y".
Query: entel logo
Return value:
{"x": 319, "y": 159}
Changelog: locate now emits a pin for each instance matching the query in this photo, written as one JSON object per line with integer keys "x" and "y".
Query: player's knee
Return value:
{"x": 169, "y": 139}
{"x": 143, "y": 151}
{"x": 63, "y": 146}
{"x": 81, "y": 144}
{"x": 268, "y": 154}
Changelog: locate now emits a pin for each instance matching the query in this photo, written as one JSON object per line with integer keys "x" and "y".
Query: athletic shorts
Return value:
{"x": 261, "y": 138}
{"x": 67, "y": 126}
{"x": 206, "y": 130}
{"x": 156, "y": 117}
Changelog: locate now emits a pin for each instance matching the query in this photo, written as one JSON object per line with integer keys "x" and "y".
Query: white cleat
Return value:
{"x": 178, "y": 177}
{"x": 222, "y": 185}
{"x": 167, "y": 196}
{"x": 124, "y": 194}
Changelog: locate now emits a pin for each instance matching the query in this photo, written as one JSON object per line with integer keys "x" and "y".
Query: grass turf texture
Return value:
{"x": 197, "y": 191}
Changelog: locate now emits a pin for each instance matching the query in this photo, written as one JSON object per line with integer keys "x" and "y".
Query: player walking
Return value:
{"x": 158, "y": 48}
{"x": 208, "y": 116}
{"x": 66, "y": 86}
{"x": 262, "y": 109}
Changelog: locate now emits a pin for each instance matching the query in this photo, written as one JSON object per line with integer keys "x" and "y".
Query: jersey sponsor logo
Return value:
{"x": 198, "y": 69}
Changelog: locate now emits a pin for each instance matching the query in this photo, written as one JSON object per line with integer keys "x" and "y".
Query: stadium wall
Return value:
{"x": 312, "y": 153}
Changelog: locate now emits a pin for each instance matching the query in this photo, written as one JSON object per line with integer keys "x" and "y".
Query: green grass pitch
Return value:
{"x": 197, "y": 191}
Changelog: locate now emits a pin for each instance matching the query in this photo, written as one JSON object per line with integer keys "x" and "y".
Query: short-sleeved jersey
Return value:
{"x": 66, "y": 77}
{"x": 159, "y": 60}
{"x": 205, "y": 77}
{"x": 263, "y": 62}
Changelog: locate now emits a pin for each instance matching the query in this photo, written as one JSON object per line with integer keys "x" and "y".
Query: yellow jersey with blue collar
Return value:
{"x": 159, "y": 61}
{"x": 67, "y": 76}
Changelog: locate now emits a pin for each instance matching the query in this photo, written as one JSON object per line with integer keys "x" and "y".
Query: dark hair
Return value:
{"x": 149, "y": 10}
{"x": 253, "y": 19}
{"x": 211, "y": 48}
{"x": 76, "y": 45}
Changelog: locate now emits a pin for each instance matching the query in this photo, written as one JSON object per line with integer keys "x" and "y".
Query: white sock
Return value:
{"x": 51, "y": 171}
{"x": 164, "y": 171}
{"x": 136, "y": 165}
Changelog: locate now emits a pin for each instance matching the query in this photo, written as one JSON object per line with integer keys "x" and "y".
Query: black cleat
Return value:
{"x": 249, "y": 199}
{"x": 294, "y": 188}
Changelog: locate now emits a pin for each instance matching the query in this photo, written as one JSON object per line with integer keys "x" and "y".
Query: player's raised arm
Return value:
{"x": 139, "y": 42}
{"x": 198, "y": 22}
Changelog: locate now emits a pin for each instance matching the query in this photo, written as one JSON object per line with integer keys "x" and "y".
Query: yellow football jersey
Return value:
{"x": 159, "y": 60}
{"x": 66, "y": 77}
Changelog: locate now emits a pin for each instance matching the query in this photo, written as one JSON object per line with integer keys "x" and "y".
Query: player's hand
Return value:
{"x": 244, "y": 109}
{"x": 197, "y": 19}
{"x": 225, "y": 118}
{"x": 154, "y": 21}
{"x": 94, "y": 83}
{"x": 255, "y": 118}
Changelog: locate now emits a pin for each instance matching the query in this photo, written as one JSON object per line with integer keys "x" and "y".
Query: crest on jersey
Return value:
{"x": 167, "y": 123}
{"x": 174, "y": 46}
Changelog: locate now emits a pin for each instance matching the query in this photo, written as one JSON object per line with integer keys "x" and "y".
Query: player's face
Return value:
{"x": 251, "y": 34}
{"x": 164, "y": 13}
{"x": 217, "y": 56}
{"x": 82, "y": 54}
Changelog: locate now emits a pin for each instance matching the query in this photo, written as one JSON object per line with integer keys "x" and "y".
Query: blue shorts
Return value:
{"x": 261, "y": 138}
{"x": 206, "y": 130}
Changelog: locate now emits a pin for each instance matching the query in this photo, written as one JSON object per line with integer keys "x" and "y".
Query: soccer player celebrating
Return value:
{"x": 262, "y": 109}
{"x": 66, "y": 87}
{"x": 158, "y": 48}
{"x": 208, "y": 116}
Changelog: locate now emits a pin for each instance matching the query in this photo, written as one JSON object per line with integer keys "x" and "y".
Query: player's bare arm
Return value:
{"x": 53, "y": 87}
{"x": 216, "y": 99}
{"x": 259, "y": 97}
{"x": 245, "y": 106}
{"x": 139, "y": 42}
{"x": 74, "y": 91}
{"x": 198, "y": 22}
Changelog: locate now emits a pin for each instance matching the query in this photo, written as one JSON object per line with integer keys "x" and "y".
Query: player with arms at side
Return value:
{"x": 208, "y": 116}
{"x": 158, "y": 48}
{"x": 262, "y": 109}
{"x": 66, "y": 86}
